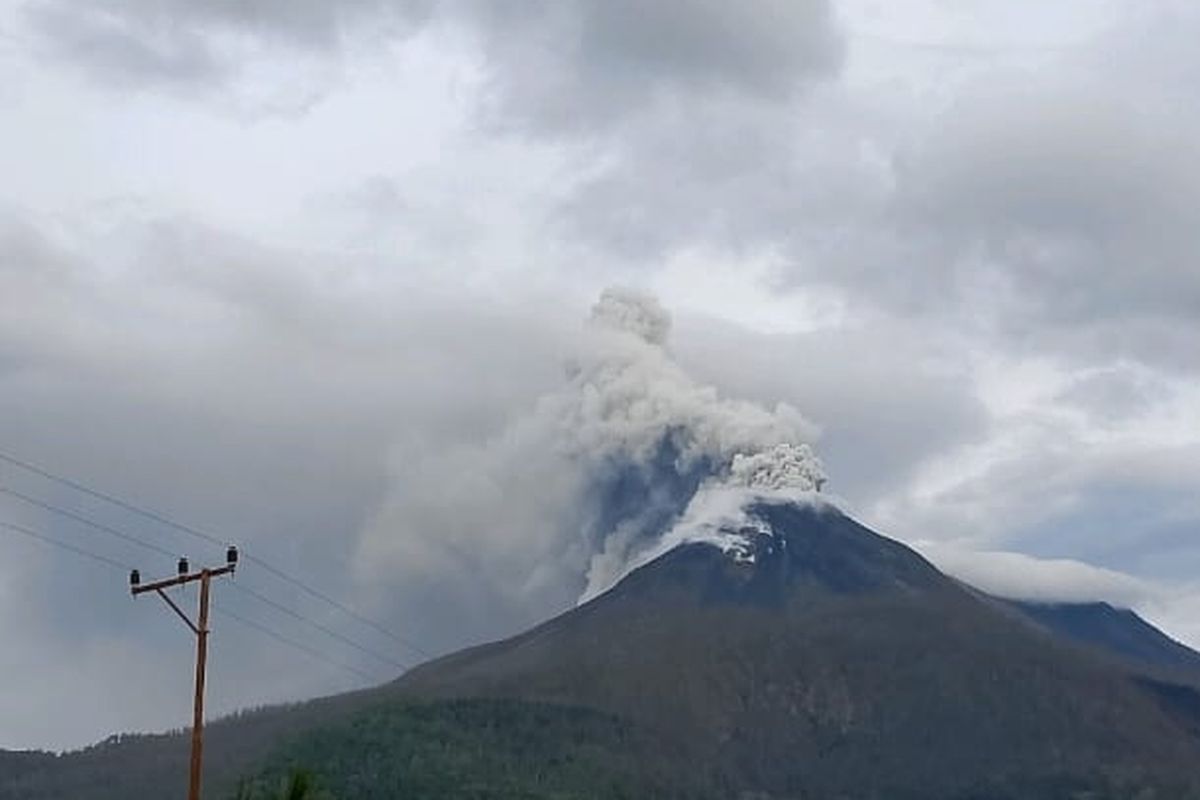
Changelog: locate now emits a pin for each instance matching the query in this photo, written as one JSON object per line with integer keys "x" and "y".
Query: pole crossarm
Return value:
{"x": 179, "y": 580}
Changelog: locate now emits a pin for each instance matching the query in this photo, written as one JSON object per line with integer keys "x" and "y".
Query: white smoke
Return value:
{"x": 719, "y": 512}
{"x": 629, "y": 454}
{"x": 786, "y": 466}
{"x": 632, "y": 312}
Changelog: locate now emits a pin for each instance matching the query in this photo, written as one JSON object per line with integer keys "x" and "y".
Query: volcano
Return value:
{"x": 806, "y": 656}
{"x": 788, "y": 652}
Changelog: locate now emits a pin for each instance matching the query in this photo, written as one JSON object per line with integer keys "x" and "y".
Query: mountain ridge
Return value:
{"x": 1118, "y": 630}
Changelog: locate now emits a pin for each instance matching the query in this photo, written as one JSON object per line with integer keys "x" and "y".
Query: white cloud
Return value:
{"x": 1021, "y": 577}
{"x": 1170, "y": 605}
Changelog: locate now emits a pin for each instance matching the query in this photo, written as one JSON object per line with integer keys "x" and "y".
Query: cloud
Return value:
{"x": 562, "y": 65}
{"x": 1051, "y": 202}
{"x": 732, "y": 174}
{"x": 1075, "y": 203}
{"x": 1176, "y": 612}
{"x": 1022, "y": 577}
{"x": 888, "y": 400}
{"x": 585, "y": 65}
{"x": 132, "y": 42}
{"x": 1044, "y": 206}
{"x": 1115, "y": 394}
{"x": 1051, "y": 481}
{"x": 1169, "y": 605}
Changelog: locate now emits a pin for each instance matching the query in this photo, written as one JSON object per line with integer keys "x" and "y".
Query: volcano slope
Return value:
{"x": 823, "y": 660}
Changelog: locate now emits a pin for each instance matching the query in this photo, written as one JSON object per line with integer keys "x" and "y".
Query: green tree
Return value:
{"x": 298, "y": 784}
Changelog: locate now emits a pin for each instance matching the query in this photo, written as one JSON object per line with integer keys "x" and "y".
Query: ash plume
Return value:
{"x": 568, "y": 497}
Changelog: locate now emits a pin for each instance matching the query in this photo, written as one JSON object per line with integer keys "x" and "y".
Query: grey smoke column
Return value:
{"x": 558, "y": 503}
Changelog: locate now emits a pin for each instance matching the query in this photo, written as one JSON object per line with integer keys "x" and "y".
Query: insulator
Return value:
{"x": 183, "y": 566}
{"x": 231, "y": 555}
{"x": 135, "y": 578}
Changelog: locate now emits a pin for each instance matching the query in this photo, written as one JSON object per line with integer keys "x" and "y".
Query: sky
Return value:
{"x": 309, "y": 277}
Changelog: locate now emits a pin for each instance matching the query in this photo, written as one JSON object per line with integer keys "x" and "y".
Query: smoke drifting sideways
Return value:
{"x": 630, "y": 456}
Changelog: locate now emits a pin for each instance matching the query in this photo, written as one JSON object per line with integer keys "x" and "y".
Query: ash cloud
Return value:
{"x": 557, "y": 506}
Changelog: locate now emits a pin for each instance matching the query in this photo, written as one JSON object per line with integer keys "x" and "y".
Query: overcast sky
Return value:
{"x": 273, "y": 267}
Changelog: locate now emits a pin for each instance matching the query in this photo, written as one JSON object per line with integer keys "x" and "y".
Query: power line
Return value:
{"x": 21, "y": 529}
{"x": 291, "y": 642}
{"x": 64, "y": 545}
{"x": 108, "y": 498}
{"x": 318, "y": 626}
{"x": 164, "y": 520}
{"x": 245, "y": 589}
{"x": 42, "y": 504}
{"x": 344, "y": 608}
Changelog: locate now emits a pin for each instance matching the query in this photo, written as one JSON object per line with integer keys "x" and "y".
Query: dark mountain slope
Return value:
{"x": 17, "y": 764}
{"x": 1115, "y": 630}
{"x": 834, "y": 661}
{"x": 1161, "y": 666}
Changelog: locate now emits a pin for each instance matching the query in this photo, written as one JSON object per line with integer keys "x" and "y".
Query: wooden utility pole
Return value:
{"x": 200, "y": 629}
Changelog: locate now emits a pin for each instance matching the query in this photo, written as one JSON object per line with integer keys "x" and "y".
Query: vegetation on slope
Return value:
{"x": 514, "y": 750}
{"x": 484, "y": 750}
{"x": 156, "y": 765}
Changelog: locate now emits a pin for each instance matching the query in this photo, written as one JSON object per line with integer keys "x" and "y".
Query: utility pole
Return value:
{"x": 200, "y": 629}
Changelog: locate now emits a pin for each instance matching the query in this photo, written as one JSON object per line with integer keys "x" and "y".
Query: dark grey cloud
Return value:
{"x": 1076, "y": 205}
{"x": 133, "y": 42}
{"x": 730, "y": 174}
{"x": 124, "y": 50}
{"x": 561, "y": 65}
{"x": 583, "y": 65}
{"x": 685, "y": 116}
